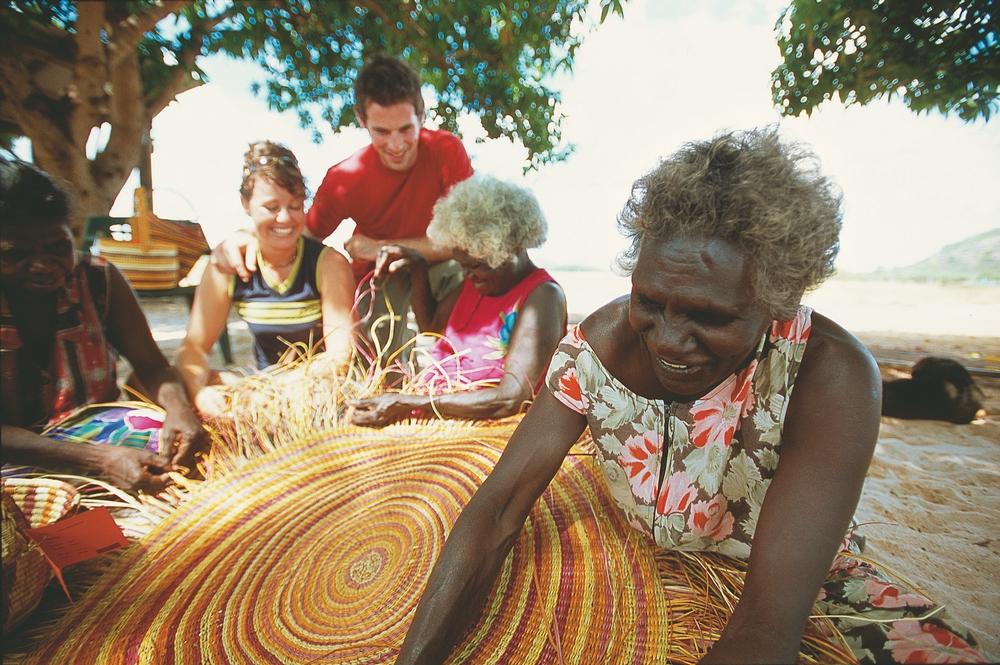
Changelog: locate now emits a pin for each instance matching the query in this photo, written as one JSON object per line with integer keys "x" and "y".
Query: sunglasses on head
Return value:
{"x": 265, "y": 160}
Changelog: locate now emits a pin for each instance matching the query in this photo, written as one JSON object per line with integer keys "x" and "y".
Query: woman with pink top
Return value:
{"x": 499, "y": 330}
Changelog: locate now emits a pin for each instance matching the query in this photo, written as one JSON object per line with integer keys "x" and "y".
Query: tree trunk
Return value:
{"x": 105, "y": 87}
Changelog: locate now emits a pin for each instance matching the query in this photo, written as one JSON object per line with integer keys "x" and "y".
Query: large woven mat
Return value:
{"x": 318, "y": 553}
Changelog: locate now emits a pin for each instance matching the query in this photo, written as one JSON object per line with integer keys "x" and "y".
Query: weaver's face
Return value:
{"x": 36, "y": 259}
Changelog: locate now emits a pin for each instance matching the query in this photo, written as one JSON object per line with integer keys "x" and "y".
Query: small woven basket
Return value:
{"x": 29, "y": 503}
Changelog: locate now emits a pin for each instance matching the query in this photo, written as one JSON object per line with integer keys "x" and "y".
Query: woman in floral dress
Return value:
{"x": 727, "y": 417}
{"x": 497, "y": 331}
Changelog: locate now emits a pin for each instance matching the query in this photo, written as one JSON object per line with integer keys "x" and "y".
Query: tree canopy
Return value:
{"x": 67, "y": 67}
{"x": 940, "y": 55}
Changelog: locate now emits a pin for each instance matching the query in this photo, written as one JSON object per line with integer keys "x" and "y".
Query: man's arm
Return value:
{"x": 362, "y": 248}
{"x": 237, "y": 255}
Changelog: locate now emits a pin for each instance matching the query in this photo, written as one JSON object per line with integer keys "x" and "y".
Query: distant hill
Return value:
{"x": 974, "y": 260}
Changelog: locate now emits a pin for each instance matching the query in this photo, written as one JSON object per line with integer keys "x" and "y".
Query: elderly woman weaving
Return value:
{"x": 727, "y": 416}
{"x": 64, "y": 317}
{"x": 499, "y": 329}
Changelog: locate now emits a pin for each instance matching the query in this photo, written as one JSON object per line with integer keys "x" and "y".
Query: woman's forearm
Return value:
{"x": 22, "y": 446}
{"x": 424, "y": 305}
{"x": 193, "y": 368}
{"x": 484, "y": 404}
{"x": 166, "y": 387}
{"x": 459, "y": 585}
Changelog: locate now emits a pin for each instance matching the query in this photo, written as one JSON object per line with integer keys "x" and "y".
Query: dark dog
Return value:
{"x": 940, "y": 389}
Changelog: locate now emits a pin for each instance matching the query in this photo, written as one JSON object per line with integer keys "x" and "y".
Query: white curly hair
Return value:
{"x": 489, "y": 219}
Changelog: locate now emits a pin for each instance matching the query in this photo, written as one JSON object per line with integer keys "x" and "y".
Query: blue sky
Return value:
{"x": 670, "y": 72}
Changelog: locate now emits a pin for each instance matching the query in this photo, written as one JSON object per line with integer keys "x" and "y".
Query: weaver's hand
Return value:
{"x": 380, "y": 411}
{"x": 392, "y": 258}
{"x": 133, "y": 470}
{"x": 210, "y": 402}
{"x": 182, "y": 436}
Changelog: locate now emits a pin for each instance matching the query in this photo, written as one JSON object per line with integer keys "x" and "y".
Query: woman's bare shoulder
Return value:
{"x": 605, "y": 325}
{"x": 616, "y": 343}
{"x": 829, "y": 342}
{"x": 837, "y": 370}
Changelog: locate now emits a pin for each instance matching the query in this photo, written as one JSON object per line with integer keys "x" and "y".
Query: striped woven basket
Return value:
{"x": 28, "y": 503}
{"x": 318, "y": 552}
{"x": 147, "y": 264}
{"x": 188, "y": 237}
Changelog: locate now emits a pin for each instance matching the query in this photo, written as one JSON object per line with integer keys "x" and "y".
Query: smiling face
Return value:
{"x": 278, "y": 214}
{"x": 486, "y": 280}
{"x": 395, "y": 133}
{"x": 35, "y": 259}
{"x": 694, "y": 311}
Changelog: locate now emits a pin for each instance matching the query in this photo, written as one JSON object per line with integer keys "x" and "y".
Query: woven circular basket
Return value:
{"x": 28, "y": 503}
{"x": 147, "y": 265}
{"x": 318, "y": 552}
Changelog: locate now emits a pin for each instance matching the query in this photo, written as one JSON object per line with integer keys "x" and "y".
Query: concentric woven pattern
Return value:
{"x": 28, "y": 503}
{"x": 318, "y": 553}
{"x": 42, "y": 500}
{"x": 25, "y": 570}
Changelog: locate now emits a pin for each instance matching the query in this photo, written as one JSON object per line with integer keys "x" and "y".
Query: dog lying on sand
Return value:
{"x": 939, "y": 389}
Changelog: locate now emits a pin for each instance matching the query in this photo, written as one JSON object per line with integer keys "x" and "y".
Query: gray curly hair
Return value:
{"x": 489, "y": 219}
{"x": 764, "y": 195}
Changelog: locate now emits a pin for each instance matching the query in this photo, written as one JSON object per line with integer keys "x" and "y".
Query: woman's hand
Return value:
{"x": 210, "y": 402}
{"x": 392, "y": 258}
{"x": 133, "y": 469}
{"x": 382, "y": 410}
{"x": 183, "y": 435}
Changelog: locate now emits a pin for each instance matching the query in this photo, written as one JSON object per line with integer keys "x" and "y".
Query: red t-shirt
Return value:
{"x": 387, "y": 204}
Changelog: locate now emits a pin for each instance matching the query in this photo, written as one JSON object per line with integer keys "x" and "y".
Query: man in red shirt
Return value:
{"x": 389, "y": 189}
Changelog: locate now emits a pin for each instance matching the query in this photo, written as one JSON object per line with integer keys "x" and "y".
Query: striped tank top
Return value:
{"x": 282, "y": 314}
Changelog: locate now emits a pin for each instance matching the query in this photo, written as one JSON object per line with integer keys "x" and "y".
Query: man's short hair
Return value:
{"x": 386, "y": 80}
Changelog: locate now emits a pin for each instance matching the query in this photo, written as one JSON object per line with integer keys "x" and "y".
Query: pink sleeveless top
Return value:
{"x": 474, "y": 346}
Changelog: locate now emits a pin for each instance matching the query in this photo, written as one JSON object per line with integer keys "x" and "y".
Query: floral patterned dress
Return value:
{"x": 693, "y": 477}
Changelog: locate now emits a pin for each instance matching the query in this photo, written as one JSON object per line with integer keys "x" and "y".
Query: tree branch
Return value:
{"x": 180, "y": 81}
{"x": 376, "y": 9}
{"x": 17, "y": 105}
{"x": 128, "y": 33}
{"x": 180, "y": 78}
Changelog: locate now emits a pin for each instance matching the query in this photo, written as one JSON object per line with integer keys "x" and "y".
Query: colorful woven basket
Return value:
{"x": 28, "y": 503}
{"x": 318, "y": 552}
{"x": 147, "y": 264}
{"x": 188, "y": 237}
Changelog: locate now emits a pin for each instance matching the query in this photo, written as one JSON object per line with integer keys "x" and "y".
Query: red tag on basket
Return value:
{"x": 78, "y": 538}
{"x": 74, "y": 539}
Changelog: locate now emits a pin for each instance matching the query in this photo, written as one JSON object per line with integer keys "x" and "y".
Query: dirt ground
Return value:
{"x": 931, "y": 503}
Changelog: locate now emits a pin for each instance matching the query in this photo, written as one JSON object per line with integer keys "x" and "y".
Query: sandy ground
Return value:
{"x": 931, "y": 503}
